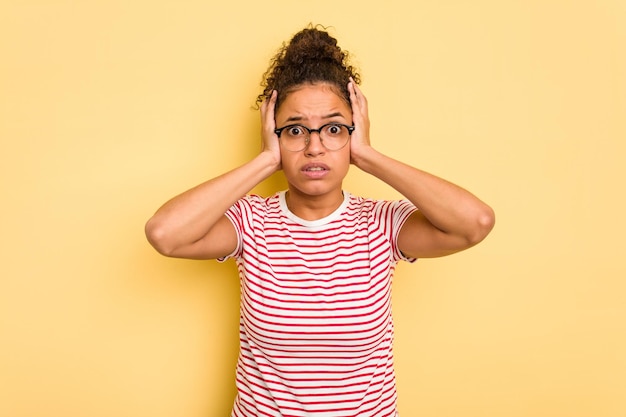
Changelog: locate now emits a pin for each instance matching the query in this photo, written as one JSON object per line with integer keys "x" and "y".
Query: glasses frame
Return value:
{"x": 307, "y": 139}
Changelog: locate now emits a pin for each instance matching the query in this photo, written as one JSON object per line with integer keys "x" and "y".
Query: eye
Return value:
{"x": 334, "y": 129}
{"x": 295, "y": 131}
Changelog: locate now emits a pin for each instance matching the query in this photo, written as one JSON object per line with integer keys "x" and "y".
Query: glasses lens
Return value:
{"x": 334, "y": 136}
{"x": 294, "y": 138}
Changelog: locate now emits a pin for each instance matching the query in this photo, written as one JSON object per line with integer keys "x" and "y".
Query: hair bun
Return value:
{"x": 311, "y": 56}
{"x": 313, "y": 45}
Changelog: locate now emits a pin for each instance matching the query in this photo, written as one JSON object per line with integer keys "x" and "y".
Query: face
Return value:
{"x": 314, "y": 171}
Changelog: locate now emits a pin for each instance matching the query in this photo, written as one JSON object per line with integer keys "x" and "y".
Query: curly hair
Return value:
{"x": 311, "y": 56}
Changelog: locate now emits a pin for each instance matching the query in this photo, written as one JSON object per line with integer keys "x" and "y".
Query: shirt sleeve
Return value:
{"x": 392, "y": 215}
{"x": 234, "y": 214}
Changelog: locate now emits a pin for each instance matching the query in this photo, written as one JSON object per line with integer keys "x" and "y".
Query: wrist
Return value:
{"x": 269, "y": 160}
{"x": 364, "y": 157}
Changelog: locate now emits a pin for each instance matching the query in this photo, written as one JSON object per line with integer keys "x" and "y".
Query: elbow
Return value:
{"x": 158, "y": 237}
{"x": 484, "y": 223}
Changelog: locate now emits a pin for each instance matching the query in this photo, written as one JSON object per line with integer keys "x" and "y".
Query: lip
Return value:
{"x": 315, "y": 170}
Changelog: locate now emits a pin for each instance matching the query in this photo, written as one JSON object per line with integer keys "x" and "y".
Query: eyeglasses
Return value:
{"x": 333, "y": 136}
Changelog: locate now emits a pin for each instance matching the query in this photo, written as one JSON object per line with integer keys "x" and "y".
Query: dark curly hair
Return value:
{"x": 311, "y": 56}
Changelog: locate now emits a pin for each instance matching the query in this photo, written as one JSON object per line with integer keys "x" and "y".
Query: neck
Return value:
{"x": 309, "y": 207}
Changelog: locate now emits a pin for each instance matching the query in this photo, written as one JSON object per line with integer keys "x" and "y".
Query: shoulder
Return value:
{"x": 376, "y": 206}
{"x": 254, "y": 208}
{"x": 257, "y": 202}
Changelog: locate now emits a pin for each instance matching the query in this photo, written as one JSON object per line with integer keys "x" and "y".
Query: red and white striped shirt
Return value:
{"x": 316, "y": 331}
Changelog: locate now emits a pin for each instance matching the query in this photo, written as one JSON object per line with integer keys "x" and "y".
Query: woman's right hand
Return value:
{"x": 269, "y": 139}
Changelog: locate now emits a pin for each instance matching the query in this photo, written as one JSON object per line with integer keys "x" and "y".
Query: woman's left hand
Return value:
{"x": 360, "y": 140}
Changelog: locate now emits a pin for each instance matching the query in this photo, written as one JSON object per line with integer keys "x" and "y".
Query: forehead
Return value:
{"x": 312, "y": 102}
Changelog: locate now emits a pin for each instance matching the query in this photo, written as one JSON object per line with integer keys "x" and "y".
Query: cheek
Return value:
{"x": 342, "y": 161}
{"x": 346, "y": 154}
{"x": 288, "y": 162}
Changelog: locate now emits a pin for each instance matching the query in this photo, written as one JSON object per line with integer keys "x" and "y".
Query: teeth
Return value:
{"x": 315, "y": 169}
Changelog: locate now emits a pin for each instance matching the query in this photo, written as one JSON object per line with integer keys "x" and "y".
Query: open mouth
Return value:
{"x": 315, "y": 170}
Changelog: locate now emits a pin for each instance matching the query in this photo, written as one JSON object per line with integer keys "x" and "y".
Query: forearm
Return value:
{"x": 190, "y": 216}
{"x": 448, "y": 207}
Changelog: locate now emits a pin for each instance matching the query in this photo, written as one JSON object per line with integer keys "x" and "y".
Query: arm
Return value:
{"x": 192, "y": 224}
{"x": 449, "y": 218}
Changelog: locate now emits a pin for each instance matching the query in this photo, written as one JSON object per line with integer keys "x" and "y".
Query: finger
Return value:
{"x": 267, "y": 99}
{"x": 354, "y": 101}
{"x": 267, "y": 110}
{"x": 359, "y": 95}
{"x": 263, "y": 108}
{"x": 357, "y": 98}
{"x": 272, "y": 105}
{"x": 352, "y": 90}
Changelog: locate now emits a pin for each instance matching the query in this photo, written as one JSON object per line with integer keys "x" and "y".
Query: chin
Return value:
{"x": 314, "y": 190}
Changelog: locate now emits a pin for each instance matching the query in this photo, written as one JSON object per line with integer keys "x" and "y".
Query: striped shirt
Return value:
{"x": 316, "y": 331}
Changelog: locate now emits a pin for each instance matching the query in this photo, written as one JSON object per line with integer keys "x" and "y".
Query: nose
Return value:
{"x": 315, "y": 146}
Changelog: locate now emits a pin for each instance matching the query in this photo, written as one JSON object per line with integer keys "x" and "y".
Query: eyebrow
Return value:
{"x": 300, "y": 118}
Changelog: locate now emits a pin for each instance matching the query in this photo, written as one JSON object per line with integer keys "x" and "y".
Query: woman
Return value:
{"x": 315, "y": 262}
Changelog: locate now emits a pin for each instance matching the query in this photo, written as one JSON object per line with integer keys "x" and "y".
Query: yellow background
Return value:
{"x": 108, "y": 108}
